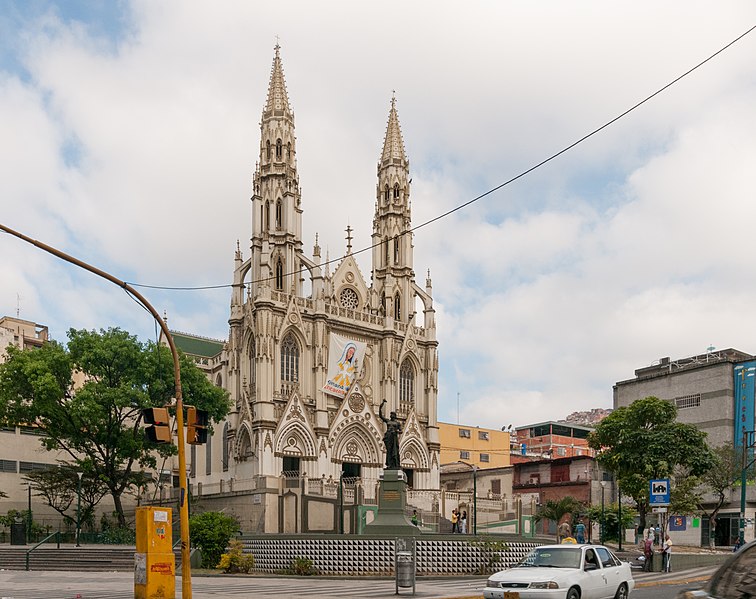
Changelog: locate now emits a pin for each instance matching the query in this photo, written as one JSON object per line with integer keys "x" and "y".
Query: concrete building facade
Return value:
{"x": 481, "y": 447}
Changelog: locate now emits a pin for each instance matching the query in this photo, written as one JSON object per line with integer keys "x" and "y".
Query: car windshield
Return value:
{"x": 552, "y": 557}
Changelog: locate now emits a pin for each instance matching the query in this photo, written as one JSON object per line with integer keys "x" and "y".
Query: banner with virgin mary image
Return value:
{"x": 344, "y": 364}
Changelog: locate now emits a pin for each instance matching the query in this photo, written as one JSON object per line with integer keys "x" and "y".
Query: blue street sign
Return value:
{"x": 658, "y": 492}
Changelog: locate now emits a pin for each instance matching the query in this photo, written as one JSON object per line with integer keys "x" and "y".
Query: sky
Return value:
{"x": 129, "y": 133}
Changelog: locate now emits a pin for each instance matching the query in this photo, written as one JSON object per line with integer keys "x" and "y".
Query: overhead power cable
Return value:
{"x": 493, "y": 189}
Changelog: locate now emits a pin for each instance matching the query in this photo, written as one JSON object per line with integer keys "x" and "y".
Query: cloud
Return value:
{"x": 130, "y": 139}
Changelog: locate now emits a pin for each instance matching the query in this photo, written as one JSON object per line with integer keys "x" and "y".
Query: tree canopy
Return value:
{"x": 644, "y": 441}
{"x": 87, "y": 398}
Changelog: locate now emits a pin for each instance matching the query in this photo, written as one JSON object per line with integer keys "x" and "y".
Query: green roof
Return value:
{"x": 194, "y": 345}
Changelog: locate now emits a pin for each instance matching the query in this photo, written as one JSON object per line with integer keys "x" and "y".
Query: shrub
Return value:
{"x": 118, "y": 536}
{"x": 211, "y": 531}
{"x": 235, "y": 560}
{"x": 301, "y": 566}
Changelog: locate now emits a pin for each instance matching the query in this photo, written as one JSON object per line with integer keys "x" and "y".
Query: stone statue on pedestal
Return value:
{"x": 391, "y": 438}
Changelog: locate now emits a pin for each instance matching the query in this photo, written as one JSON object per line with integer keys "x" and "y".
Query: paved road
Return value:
{"x": 119, "y": 585}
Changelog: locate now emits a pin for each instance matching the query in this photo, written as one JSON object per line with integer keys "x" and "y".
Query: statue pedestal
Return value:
{"x": 392, "y": 500}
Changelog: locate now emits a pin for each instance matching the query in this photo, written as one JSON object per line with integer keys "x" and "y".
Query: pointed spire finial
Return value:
{"x": 393, "y": 144}
{"x": 278, "y": 98}
{"x": 349, "y": 239}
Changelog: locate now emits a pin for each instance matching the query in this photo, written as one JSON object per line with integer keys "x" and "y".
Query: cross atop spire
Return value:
{"x": 278, "y": 98}
{"x": 349, "y": 239}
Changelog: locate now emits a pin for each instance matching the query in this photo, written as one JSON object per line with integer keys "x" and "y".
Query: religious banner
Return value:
{"x": 344, "y": 364}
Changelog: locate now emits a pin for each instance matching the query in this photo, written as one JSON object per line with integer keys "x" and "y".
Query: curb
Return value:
{"x": 656, "y": 583}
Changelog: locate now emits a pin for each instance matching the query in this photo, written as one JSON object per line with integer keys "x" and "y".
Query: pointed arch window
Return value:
{"x": 397, "y": 307}
{"x": 252, "y": 378}
{"x": 383, "y": 303}
{"x": 386, "y": 194}
{"x": 267, "y": 216}
{"x": 386, "y": 248}
{"x": 288, "y": 150}
{"x": 396, "y": 250}
{"x": 267, "y": 149}
{"x": 225, "y": 447}
{"x": 279, "y": 274}
{"x": 289, "y": 360}
{"x": 396, "y": 191}
{"x": 279, "y": 149}
{"x": 279, "y": 214}
{"x": 406, "y": 386}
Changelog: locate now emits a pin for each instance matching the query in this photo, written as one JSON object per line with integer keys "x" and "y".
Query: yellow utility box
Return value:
{"x": 154, "y": 562}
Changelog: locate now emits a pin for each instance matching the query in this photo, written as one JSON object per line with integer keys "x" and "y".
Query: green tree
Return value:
{"x": 211, "y": 532}
{"x": 555, "y": 510}
{"x": 644, "y": 441}
{"x": 611, "y": 519}
{"x": 721, "y": 479}
{"x": 87, "y": 399}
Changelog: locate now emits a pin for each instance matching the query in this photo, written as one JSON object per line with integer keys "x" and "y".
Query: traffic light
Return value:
{"x": 159, "y": 430}
{"x": 196, "y": 426}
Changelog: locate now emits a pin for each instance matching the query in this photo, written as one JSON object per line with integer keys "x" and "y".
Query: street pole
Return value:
{"x": 601, "y": 524}
{"x": 741, "y": 524}
{"x": 186, "y": 574}
{"x": 29, "y": 518}
{"x": 341, "y": 502}
{"x": 475, "y": 500}
{"x": 619, "y": 516}
{"x": 78, "y": 509}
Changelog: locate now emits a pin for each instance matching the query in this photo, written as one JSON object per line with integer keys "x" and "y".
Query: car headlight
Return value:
{"x": 492, "y": 583}
{"x": 544, "y": 585}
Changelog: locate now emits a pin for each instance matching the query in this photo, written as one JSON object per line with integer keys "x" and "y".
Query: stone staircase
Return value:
{"x": 89, "y": 558}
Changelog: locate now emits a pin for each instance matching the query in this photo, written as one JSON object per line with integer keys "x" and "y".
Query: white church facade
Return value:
{"x": 287, "y": 419}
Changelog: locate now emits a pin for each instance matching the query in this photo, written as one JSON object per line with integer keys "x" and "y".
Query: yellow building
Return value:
{"x": 481, "y": 447}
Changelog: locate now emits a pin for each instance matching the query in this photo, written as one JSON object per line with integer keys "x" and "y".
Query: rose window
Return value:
{"x": 349, "y": 298}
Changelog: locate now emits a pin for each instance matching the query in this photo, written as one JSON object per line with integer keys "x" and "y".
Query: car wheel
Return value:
{"x": 573, "y": 593}
{"x": 621, "y": 592}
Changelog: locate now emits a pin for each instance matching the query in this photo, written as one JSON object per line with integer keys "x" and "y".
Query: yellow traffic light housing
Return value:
{"x": 159, "y": 429}
{"x": 196, "y": 426}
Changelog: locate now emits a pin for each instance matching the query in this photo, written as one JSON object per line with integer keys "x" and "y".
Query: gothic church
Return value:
{"x": 276, "y": 359}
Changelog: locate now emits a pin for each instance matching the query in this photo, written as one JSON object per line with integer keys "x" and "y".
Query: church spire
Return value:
{"x": 393, "y": 144}
{"x": 278, "y": 98}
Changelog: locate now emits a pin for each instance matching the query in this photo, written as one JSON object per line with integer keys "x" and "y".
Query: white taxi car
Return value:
{"x": 563, "y": 572}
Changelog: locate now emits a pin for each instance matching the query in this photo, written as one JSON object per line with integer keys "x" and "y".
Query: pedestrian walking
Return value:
{"x": 455, "y": 521}
{"x": 667, "y": 554}
{"x": 648, "y": 552}
{"x": 463, "y": 522}
{"x": 580, "y": 532}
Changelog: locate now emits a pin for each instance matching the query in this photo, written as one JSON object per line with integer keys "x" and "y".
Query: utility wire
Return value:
{"x": 490, "y": 191}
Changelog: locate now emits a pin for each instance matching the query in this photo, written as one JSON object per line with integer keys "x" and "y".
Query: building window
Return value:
{"x": 484, "y": 457}
{"x": 464, "y": 455}
{"x": 279, "y": 274}
{"x": 267, "y": 216}
{"x": 279, "y": 149}
{"x": 386, "y": 250}
{"x": 397, "y": 307}
{"x": 406, "y": 386}
{"x": 279, "y": 214}
{"x": 386, "y": 193}
{"x": 483, "y": 435}
{"x": 32, "y": 466}
{"x": 688, "y": 401}
{"x": 396, "y": 191}
{"x": 288, "y": 150}
{"x": 349, "y": 298}
{"x": 209, "y": 453}
{"x": 561, "y": 451}
{"x": 496, "y": 486}
{"x": 464, "y": 433}
{"x": 396, "y": 250}
{"x": 225, "y": 447}
{"x": 8, "y": 466}
{"x": 267, "y": 149}
{"x": 289, "y": 360}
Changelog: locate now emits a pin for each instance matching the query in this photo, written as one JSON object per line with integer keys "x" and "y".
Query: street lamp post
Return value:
{"x": 475, "y": 499}
{"x": 186, "y": 573}
{"x": 78, "y": 509}
{"x": 619, "y": 516}
{"x": 601, "y": 525}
